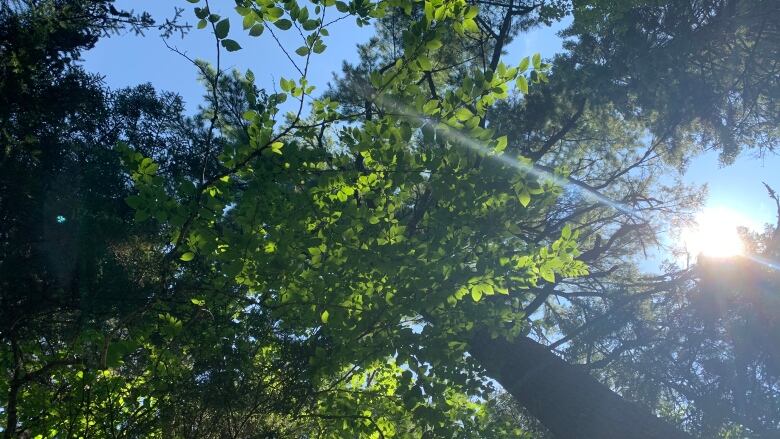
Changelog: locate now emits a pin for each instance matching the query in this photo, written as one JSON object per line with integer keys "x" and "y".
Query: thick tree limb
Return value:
{"x": 566, "y": 399}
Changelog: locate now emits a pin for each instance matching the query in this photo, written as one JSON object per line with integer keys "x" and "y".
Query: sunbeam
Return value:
{"x": 458, "y": 137}
{"x": 763, "y": 261}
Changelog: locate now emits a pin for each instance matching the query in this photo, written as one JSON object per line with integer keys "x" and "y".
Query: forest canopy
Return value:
{"x": 443, "y": 242}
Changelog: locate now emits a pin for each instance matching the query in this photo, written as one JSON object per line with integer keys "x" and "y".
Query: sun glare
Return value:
{"x": 715, "y": 234}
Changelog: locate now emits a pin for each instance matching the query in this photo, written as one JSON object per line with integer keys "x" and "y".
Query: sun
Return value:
{"x": 715, "y": 234}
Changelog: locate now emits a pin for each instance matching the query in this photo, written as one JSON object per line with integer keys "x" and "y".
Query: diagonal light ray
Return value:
{"x": 458, "y": 137}
{"x": 763, "y": 261}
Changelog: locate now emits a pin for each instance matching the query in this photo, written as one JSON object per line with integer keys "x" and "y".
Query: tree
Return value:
{"x": 411, "y": 199}
{"x": 709, "y": 356}
{"x": 70, "y": 253}
{"x": 706, "y": 63}
{"x": 564, "y": 126}
{"x": 610, "y": 308}
{"x": 114, "y": 359}
{"x": 356, "y": 271}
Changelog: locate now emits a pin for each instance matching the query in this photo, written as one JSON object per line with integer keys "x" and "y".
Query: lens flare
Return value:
{"x": 765, "y": 262}
{"x": 459, "y": 138}
{"x": 715, "y": 234}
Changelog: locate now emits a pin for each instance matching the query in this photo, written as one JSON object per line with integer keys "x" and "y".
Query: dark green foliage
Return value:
{"x": 241, "y": 274}
{"x": 708, "y": 63}
{"x": 709, "y": 354}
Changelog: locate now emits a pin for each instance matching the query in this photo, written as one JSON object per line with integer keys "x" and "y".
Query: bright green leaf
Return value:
{"x": 524, "y": 63}
{"x": 522, "y": 84}
{"x": 524, "y": 197}
{"x": 433, "y": 44}
{"x": 537, "y": 60}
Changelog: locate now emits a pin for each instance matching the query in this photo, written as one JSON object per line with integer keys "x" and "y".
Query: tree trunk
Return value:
{"x": 566, "y": 399}
{"x": 11, "y": 415}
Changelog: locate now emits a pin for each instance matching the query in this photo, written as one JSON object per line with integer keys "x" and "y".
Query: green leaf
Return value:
{"x": 463, "y": 113}
{"x": 222, "y": 28}
{"x": 524, "y": 63}
{"x": 431, "y": 107}
{"x": 303, "y": 15}
{"x": 283, "y": 24}
{"x": 501, "y": 144}
{"x": 566, "y": 232}
{"x": 433, "y": 44}
{"x": 469, "y": 25}
{"x": 524, "y": 197}
{"x": 310, "y": 25}
{"x": 522, "y": 84}
{"x": 424, "y": 63}
{"x": 134, "y": 201}
{"x": 483, "y": 288}
{"x": 324, "y": 316}
{"x": 202, "y": 24}
{"x": 248, "y": 21}
{"x": 476, "y": 294}
{"x": 187, "y": 256}
{"x": 256, "y": 30}
{"x": 319, "y": 47}
{"x": 114, "y": 354}
{"x": 302, "y": 51}
{"x": 537, "y": 59}
{"x": 201, "y": 13}
{"x": 274, "y": 13}
{"x": 141, "y": 215}
{"x": 230, "y": 45}
{"x": 547, "y": 273}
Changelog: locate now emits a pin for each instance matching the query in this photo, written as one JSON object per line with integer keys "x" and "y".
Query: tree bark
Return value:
{"x": 566, "y": 399}
{"x": 11, "y": 415}
{"x": 13, "y": 391}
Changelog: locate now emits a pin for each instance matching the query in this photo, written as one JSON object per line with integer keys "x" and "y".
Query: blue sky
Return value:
{"x": 127, "y": 60}
{"x": 739, "y": 186}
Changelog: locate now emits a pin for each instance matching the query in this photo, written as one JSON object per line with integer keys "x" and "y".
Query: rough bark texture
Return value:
{"x": 566, "y": 399}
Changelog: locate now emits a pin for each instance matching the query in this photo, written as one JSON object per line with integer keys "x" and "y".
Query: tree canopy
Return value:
{"x": 442, "y": 244}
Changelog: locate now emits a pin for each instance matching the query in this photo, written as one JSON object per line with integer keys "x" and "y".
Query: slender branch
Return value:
{"x": 287, "y": 54}
{"x": 565, "y": 129}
